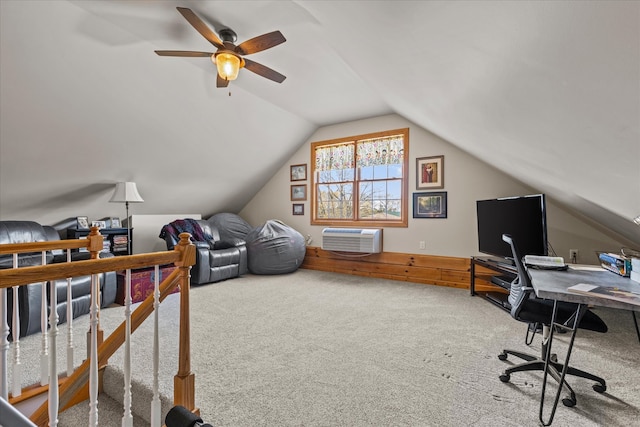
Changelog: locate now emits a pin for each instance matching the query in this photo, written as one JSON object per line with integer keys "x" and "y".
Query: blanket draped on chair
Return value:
{"x": 187, "y": 225}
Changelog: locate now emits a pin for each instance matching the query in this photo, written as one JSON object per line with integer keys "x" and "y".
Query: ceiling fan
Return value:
{"x": 229, "y": 57}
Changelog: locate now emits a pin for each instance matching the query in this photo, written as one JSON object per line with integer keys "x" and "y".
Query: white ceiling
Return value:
{"x": 548, "y": 92}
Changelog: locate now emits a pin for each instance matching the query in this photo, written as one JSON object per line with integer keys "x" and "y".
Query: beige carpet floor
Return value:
{"x": 323, "y": 349}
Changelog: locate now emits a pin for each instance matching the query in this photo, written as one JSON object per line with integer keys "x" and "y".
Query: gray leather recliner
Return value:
{"x": 216, "y": 259}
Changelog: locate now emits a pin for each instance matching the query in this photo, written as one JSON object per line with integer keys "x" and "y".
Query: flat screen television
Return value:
{"x": 524, "y": 217}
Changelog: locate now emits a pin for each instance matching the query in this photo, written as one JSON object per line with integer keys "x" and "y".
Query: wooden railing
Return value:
{"x": 82, "y": 383}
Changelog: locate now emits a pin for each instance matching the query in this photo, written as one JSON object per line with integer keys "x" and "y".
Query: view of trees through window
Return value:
{"x": 361, "y": 179}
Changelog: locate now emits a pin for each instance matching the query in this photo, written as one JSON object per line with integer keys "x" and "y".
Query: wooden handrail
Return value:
{"x": 42, "y": 273}
{"x": 93, "y": 242}
{"x": 183, "y": 256}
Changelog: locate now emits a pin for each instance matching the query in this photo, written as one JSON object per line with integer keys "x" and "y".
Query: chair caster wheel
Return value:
{"x": 599, "y": 388}
{"x": 569, "y": 402}
{"x": 505, "y": 378}
{"x": 502, "y": 356}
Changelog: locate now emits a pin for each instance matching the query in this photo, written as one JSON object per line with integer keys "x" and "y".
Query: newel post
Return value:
{"x": 184, "y": 381}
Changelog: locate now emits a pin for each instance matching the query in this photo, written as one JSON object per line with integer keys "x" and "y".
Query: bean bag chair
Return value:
{"x": 230, "y": 226}
{"x": 274, "y": 248}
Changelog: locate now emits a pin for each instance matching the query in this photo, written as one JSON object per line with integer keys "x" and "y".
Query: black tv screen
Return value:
{"x": 523, "y": 217}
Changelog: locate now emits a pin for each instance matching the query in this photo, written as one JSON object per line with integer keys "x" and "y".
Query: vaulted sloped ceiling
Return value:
{"x": 548, "y": 92}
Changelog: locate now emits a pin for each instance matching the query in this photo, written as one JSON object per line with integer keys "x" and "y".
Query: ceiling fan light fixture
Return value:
{"x": 228, "y": 65}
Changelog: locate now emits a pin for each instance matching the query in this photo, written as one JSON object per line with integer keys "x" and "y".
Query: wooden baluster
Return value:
{"x": 93, "y": 352}
{"x": 16, "y": 389}
{"x": 156, "y": 418}
{"x": 4, "y": 345}
{"x": 95, "y": 246}
{"x": 95, "y": 332}
{"x": 44, "y": 347}
{"x": 69, "y": 322}
{"x": 53, "y": 355}
{"x": 127, "y": 418}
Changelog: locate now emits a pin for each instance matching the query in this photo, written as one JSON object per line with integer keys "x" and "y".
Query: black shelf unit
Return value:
{"x": 495, "y": 286}
{"x": 110, "y": 235}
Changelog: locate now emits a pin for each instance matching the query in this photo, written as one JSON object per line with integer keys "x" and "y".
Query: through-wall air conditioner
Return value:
{"x": 366, "y": 240}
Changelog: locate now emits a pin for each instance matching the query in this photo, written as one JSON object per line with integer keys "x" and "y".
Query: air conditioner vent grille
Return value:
{"x": 365, "y": 240}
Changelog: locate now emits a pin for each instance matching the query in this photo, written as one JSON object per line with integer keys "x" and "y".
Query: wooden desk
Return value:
{"x": 553, "y": 285}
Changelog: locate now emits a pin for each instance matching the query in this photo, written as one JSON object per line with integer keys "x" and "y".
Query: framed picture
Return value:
{"x": 299, "y": 192}
{"x": 82, "y": 223}
{"x": 430, "y": 205}
{"x": 99, "y": 224}
{"x": 115, "y": 223}
{"x": 430, "y": 172}
{"x": 299, "y": 172}
{"x": 298, "y": 208}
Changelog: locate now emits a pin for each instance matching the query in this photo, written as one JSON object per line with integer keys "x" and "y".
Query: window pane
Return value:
{"x": 394, "y": 189}
{"x": 335, "y": 201}
{"x": 395, "y": 171}
{"x": 380, "y": 172}
{"x": 366, "y": 172}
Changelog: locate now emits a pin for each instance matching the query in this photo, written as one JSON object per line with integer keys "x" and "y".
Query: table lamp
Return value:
{"x": 127, "y": 192}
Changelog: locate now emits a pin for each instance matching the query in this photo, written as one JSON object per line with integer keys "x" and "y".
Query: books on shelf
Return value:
{"x": 608, "y": 292}
{"x": 120, "y": 243}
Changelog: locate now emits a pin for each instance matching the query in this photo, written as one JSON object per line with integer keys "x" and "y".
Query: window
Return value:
{"x": 361, "y": 180}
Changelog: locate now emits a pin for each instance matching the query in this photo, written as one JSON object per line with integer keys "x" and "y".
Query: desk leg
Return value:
{"x": 635, "y": 323}
{"x": 580, "y": 311}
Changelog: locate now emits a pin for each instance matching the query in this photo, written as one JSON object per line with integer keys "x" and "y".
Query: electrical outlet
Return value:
{"x": 573, "y": 255}
{"x": 423, "y": 244}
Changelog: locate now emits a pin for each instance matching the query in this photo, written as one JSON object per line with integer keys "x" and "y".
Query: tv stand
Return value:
{"x": 491, "y": 279}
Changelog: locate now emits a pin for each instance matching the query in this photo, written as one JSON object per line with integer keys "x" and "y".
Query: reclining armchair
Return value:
{"x": 216, "y": 259}
{"x": 30, "y": 296}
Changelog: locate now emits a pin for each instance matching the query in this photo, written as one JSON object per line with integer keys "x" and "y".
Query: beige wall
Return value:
{"x": 466, "y": 180}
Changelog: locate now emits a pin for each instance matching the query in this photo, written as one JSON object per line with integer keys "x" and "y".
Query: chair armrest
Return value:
{"x": 231, "y": 242}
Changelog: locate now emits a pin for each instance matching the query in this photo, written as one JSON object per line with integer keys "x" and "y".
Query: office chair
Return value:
{"x": 528, "y": 308}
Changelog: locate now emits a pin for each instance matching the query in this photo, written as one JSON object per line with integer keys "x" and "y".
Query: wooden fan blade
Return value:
{"x": 263, "y": 71}
{"x": 182, "y": 53}
{"x": 201, "y": 27}
{"x": 260, "y": 43}
{"x": 220, "y": 82}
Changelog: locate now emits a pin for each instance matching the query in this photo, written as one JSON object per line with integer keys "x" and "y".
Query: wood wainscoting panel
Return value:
{"x": 428, "y": 269}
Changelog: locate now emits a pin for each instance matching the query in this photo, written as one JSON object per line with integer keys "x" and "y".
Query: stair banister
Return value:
{"x": 183, "y": 256}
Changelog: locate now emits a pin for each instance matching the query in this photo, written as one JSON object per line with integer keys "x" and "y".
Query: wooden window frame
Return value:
{"x": 363, "y": 223}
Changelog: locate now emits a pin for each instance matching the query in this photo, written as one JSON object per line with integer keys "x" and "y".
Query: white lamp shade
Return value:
{"x": 126, "y": 192}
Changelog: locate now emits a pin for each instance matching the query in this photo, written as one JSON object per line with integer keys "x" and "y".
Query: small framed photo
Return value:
{"x": 430, "y": 172}
{"x": 298, "y": 208}
{"x": 99, "y": 224}
{"x": 82, "y": 223}
{"x": 115, "y": 223}
{"x": 430, "y": 205}
{"x": 299, "y": 172}
{"x": 299, "y": 192}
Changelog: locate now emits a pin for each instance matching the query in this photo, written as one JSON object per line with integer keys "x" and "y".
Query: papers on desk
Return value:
{"x": 608, "y": 292}
{"x": 545, "y": 262}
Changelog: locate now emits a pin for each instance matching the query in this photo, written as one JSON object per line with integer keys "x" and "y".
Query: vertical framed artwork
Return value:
{"x": 430, "y": 204}
{"x": 299, "y": 192}
{"x": 430, "y": 172}
{"x": 115, "y": 223}
{"x": 298, "y": 208}
{"x": 299, "y": 172}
